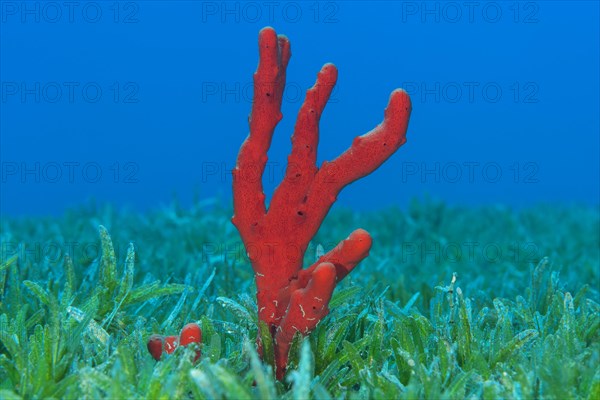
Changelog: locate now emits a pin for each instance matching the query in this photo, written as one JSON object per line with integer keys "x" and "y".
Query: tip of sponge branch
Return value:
{"x": 328, "y": 74}
{"x": 267, "y": 30}
{"x": 360, "y": 243}
{"x": 269, "y": 33}
{"x": 267, "y": 37}
{"x": 399, "y": 99}
{"x": 324, "y": 277}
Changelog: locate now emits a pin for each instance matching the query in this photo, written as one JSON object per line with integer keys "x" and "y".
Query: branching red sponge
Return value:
{"x": 291, "y": 299}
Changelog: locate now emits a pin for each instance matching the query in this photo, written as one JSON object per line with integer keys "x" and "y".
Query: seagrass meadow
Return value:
{"x": 452, "y": 303}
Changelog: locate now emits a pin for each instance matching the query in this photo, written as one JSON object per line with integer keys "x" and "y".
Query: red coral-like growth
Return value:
{"x": 191, "y": 333}
{"x": 291, "y": 299}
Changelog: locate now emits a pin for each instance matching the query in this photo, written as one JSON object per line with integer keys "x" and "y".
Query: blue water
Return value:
{"x": 131, "y": 103}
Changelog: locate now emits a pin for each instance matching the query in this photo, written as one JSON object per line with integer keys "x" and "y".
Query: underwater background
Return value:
{"x": 133, "y": 102}
{"x": 120, "y": 123}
